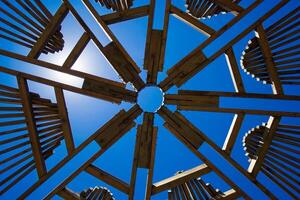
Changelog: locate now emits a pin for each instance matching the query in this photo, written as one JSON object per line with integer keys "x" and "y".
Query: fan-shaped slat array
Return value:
{"x": 283, "y": 38}
{"x": 17, "y": 151}
{"x": 205, "y": 8}
{"x": 23, "y": 23}
{"x": 96, "y": 193}
{"x": 116, "y": 5}
{"x": 281, "y": 161}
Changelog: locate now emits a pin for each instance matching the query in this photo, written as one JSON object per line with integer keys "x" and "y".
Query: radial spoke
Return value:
{"x": 115, "y": 52}
{"x": 144, "y": 153}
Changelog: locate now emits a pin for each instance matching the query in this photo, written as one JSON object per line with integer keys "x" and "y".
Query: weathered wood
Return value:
{"x": 50, "y": 29}
{"x": 192, "y": 101}
{"x": 34, "y": 140}
{"x": 108, "y": 178}
{"x": 129, "y": 14}
{"x": 182, "y": 126}
{"x": 68, "y": 194}
{"x": 63, "y": 112}
{"x": 195, "y": 23}
{"x": 180, "y": 178}
{"x": 77, "y": 50}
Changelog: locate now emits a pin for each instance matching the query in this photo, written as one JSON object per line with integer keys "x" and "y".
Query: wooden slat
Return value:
{"x": 77, "y": 50}
{"x": 108, "y": 178}
{"x": 193, "y": 22}
{"x": 267, "y": 54}
{"x": 233, "y": 132}
{"x": 271, "y": 127}
{"x": 50, "y": 29}
{"x": 63, "y": 112}
{"x": 34, "y": 139}
{"x": 234, "y": 71}
{"x": 125, "y": 15}
{"x": 229, "y": 6}
{"x": 180, "y": 178}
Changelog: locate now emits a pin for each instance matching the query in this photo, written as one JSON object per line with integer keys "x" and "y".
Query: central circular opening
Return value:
{"x": 150, "y": 98}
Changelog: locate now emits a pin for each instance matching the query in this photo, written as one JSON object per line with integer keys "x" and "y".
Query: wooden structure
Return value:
{"x": 279, "y": 157}
{"x": 198, "y": 189}
{"x": 96, "y": 193}
{"x": 32, "y": 126}
{"x": 209, "y": 8}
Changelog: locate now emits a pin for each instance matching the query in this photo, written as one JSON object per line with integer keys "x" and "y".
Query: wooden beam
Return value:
{"x": 77, "y": 50}
{"x": 271, "y": 128}
{"x": 191, "y": 100}
{"x": 116, "y": 47}
{"x": 61, "y": 85}
{"x": 180, "y": 178}
{"x": 230, "y": 194}
{"x": 239, "y": 95}
{"x": 193, "y": 22}
{"x": 229, "y": 6}
{"x": 63, "y": 112}
{"x": 125, "y": 15}
{"x": 56, "y": 20}
{"x": 234, "y": 71}
{"x": 108, "y": 178}
{"x": 233, "y": 132}
{"x": 83, "y": 145}
{"x": 31, "y": 126}
{"x": 267, "y": 54}
{"x": 68, "y": 194}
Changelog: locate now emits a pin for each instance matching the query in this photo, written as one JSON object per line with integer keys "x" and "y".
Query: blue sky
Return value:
{"x": 88, "y": 114}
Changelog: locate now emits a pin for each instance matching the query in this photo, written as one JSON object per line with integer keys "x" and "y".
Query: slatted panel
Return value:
{"x": 198, "y": 189}
{"x": 23, "y": 23}
{"x": 281, "y": 161}
{"x": 283, "y": 39}
{"x": 116, "y": 5}
{"x": 16, "y": 151}
{"x": 96, "y": 193}
{"x": 205, "y": 8}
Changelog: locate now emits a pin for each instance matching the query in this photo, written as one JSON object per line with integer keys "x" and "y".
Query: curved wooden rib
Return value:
{"x": 273, "y": 56}
{"x": 275, "y": 152}
{"x": 29, "y": 25}
{"x": 41, "y": 125}
{"x": 208, "y": 8}
{"x": 96, "y": 193}
{"x": 116, "y": 5}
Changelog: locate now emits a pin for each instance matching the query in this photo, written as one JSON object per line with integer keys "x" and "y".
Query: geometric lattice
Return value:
{"x": 39, "y": 144}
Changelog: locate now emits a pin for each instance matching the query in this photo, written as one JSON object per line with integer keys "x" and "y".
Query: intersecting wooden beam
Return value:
{"x": 267, "y": 54}
{"x": 129, "y": 14}
{"x": 109, "y": 84}
{"x": 116, "y": 47}
{"x": 33, "y": 134}
{"x": 56, "y": 20}
{"x": 130, "y": 115}
{"x": 108, "y": 178}
{"x": 61, "y": 85}
{"x": 77, "y": 50}
{"x": 180, "y": 178}
{"x": 195, "y": 59}
{"x": 271, "y": 127}
{"x": 63, "y": 112}
{"x": 190, "y": 20}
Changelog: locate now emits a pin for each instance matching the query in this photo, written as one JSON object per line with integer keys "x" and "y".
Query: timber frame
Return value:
{"x": 271, "y": 56}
